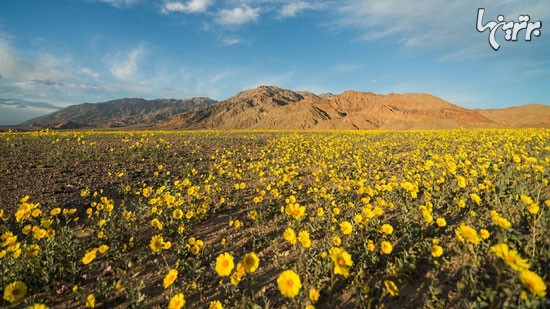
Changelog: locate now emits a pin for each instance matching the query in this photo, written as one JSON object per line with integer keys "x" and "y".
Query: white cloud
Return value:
{"x": 89, "y": 72}
{"x": 230, "y": 41}
{"x": 121, "y": 3}
{"x": 293, "y": 8}
{"x": 430, "y": 24}
{"x": 7, "y": 59}
{"x": 238, "y": 16}
{"x": 34, "y": 66}
{"x": 192, "y": 6}
{"x": 125, "y": 67}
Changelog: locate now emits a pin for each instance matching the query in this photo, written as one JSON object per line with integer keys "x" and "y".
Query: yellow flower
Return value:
{"x": 89, "y": 256}
{"x": 370, "y": 245}
{"x": 170, "y": 278}
{"x": 289, "y": 283}
{"x": 503, "y": 223}
{"x": 177, "y": 301}
{"x": 386, "y": 229}
{"x": 216, "y": 304}
{"x": 253, "y": 215}
{"x": 90, "y": 301}
{"x": 391, "y": 287}
{"x": 533, "y": 282}
{"x": 386, "y": 247}
{"x": 427, "y": 216}
{"x": 290, "y": 236}
{"x": 177, "y": 214}
{"x": 250, "y": 262}
{"x": 33, "y": 250}
{"x": 156, "y": 244}
{"x": 336, "y": 240}
{"x": 534, "y": 208}
{"x": 195, "y": 249}
{"x": 119, "y": 287}
{"x": 526, "y": 199}
{"x": 295, "y": 210}
{"x": 224, "y": 264}
{"x": 103, "y": 248}
{"x": 26, "y": 229}
{"x": 346, "y": 228}
{"x": 55, "y": 211}
{"x": 441, "y": 222}
{"x": 320, "y": 212}
{"x": 484, "y": 234}
{"x": 15, "y": 292}
{"x": 475, "y": 198}
{"x": 156, "y": 224}
{"x": 437, "y": 251}
{"x": 238, "y": 274}
{"x": 510, "y": 257}
{"x": 37, "y": 212}
{"x": 313, "y": 295}
{"x": 342, "y": 261}
{"x": 303, "y": 236}
{"x": 39, "y": 233}
{"x": 461, "y": 181}
{"x": 467, "y": 233}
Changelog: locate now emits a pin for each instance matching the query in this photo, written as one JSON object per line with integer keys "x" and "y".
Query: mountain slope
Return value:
{"x": 525, "y": 116}
{"x": 118, "y": 113}
{"x": 268, "y": 107}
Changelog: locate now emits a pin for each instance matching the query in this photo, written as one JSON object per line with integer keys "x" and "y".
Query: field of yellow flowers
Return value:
{"x": 217, "y": 219}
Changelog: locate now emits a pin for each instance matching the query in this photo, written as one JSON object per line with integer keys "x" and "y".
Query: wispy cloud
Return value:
{"x": 230, "y": 40}
{"x": 293, "y": 8}
{"x": 238, "y": 16}
{"x": 346, "y": 68}
{"x": 431, "y": 24}
{"x": 192, "y": 6}
{"x": 125, "y": 66}
{"x": 20, "y": 103}
{"x": 89, "y": 72}
{"x": 121, "y": 3}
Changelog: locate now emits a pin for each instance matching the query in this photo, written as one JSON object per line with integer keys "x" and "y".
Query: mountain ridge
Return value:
{"x": 271, "y": 107}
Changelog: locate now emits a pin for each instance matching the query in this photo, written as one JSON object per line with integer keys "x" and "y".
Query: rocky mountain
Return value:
{"x": 118, "y": 113}
{"x": 269, "y": 107}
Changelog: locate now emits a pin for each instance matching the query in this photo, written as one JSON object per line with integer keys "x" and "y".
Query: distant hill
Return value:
{"x": 269, "y": 107}
{"x": 525, "y": 116}
{"x": 117, "y": 113}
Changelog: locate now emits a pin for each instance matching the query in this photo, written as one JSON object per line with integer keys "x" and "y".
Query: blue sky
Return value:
{"x": 64, "y": 52}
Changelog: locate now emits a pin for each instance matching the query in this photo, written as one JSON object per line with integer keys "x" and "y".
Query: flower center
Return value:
{"x": 289, "y": 283}
{"x": 225, "y": 263}
{"x": 340, "y": 261}
{"x": 509, "y": 258}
